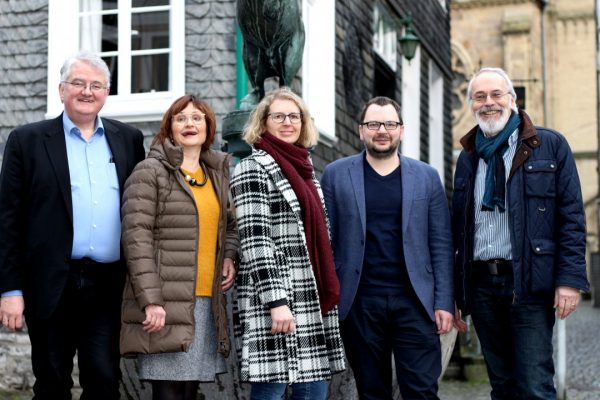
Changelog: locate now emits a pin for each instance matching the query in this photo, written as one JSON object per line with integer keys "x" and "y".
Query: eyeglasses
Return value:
{"x": 81, "y": 85}
{"x": 295, "y": 118}
{"x": 375, "y": 125}
{"x": 182, "y": 119}
{"x": 481, "y": 97}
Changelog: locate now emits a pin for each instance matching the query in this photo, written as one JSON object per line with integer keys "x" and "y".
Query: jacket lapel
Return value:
{"x": 56, "y": 148}
{"x": 357, "y": 180}
{"x": 281, "y": 183}
{"x": 408, "y": 186}
{"x": 115, "y": 142}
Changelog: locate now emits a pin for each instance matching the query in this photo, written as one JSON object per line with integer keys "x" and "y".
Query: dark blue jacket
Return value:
{"x": 546, "y": 216}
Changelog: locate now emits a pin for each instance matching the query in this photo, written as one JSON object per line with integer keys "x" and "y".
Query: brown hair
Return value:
{"x": 178, "y": 105}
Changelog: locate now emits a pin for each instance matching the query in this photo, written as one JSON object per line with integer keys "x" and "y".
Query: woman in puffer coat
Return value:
{"x": 180, "y": 242}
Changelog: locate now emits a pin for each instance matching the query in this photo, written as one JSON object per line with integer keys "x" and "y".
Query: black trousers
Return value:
{"x": 379, "y": 325}
{"x": 86, "y": 320}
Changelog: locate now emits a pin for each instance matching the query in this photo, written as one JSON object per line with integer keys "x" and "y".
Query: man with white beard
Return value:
{"x": 519, "y": 233}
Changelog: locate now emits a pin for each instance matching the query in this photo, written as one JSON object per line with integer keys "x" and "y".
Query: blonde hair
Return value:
{"x": 256, "y": 126}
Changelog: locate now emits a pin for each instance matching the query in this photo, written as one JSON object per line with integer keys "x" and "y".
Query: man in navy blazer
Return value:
{"x": 390, "y": 229}
{"x": 60, "y": 254}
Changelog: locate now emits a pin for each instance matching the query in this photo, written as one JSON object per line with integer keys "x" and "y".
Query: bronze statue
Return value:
{"x": 273, "y": 43}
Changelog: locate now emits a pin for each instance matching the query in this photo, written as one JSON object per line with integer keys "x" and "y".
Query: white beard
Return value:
{"x": 491, "y": 127}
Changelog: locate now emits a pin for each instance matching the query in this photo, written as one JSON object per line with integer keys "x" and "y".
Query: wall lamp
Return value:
{"x": 409, "y": 41}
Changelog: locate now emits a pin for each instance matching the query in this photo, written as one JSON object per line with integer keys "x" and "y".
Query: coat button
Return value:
{"x": 525, "y": 152}
{"x": 552, "y": 166}
{"x": 537, "y": 249}
{"x": 530, "y": 167}
{"x": 535, "y": 142}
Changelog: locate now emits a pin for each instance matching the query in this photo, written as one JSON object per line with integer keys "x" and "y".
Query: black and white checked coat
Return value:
{"x": 275, "y": 265}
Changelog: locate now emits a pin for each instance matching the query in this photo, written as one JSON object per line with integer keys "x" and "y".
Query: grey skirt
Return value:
{"x": 200, "y": 363}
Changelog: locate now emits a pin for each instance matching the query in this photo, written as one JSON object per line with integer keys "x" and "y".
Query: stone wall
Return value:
{"x": 23, "y": 64}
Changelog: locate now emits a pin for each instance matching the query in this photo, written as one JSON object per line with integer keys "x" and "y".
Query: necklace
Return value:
{"x": 193, "y": 181}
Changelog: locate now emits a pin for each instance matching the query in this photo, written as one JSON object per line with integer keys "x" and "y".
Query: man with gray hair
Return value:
{"x": 60, "y": 229}
{"x": 519, "y": 233}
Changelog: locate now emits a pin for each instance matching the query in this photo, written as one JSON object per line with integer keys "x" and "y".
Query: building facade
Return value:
{"x": 158, "y": 50}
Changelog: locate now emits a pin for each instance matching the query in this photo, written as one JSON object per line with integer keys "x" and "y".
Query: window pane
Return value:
{"x": 149, "y": 3}
{"x": 108, "y": 4}
{"x": 113, "y": 64}
{"x": 110, "y": 32}
{"x": 99, "y": 33}
{"x": 94, "y": 5}
{"x": 150, "y": 73}
{"x": 150, "y": 30}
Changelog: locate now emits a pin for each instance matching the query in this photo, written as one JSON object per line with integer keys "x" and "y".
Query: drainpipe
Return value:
{"x": 561, "y": 327}
{"x": 597, "y": 5}
{"x": 544, "y": 4}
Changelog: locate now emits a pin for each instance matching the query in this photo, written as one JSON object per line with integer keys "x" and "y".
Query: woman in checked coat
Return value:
{"x": 285, "y": 309}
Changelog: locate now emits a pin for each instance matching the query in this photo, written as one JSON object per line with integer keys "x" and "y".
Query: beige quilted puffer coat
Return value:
{"x": 160, "y": 237}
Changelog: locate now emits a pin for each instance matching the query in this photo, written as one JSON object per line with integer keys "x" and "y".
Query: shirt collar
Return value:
{"x": 512, "y": 139}
{"x": 71, "y": 128}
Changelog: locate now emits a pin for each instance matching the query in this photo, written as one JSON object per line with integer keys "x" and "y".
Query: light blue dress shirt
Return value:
{"x": 95, "y": 194}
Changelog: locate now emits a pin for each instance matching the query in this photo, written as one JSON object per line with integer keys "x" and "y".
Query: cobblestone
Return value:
{"x": 583, "y": 362}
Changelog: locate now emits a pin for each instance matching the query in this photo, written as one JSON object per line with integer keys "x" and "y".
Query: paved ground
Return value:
{"x": 583, "y": 362}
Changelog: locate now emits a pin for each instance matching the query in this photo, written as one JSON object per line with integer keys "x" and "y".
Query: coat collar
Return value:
{"x": 528, "y": 138}
{"x": 281, "y": 183}
{"x": 171, "y": 156}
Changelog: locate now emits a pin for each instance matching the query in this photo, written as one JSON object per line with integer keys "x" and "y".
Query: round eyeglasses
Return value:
{"x": 182, "y": 119}
{"x": 481, "y": 97}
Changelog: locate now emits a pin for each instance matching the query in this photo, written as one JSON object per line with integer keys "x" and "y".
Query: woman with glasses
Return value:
{"x": 180, "y": 242}
{"x": 286, "y": 291}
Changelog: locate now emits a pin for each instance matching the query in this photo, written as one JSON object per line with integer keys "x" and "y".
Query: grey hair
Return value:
{"x": 87, "y": 57}
{"x": 497, "y": 71}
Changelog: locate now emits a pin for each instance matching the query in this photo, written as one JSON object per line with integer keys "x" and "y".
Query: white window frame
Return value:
{"x": 385, "y": 36}
{"x": 436, "y": 118}
{"x": 411, "y": 105}
{"x": 318, "y": 64}
{"x": 63, "y": 41}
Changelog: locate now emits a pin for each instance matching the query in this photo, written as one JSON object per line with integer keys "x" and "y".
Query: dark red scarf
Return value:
{"x": 297, "y": 168}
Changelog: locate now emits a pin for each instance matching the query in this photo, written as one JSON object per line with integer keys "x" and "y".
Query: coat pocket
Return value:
{"x": 540, "y": 178}
{"x": 542, "y": 265}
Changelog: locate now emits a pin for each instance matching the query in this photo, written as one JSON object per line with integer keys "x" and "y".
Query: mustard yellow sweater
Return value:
{"x": 208, "y": 222}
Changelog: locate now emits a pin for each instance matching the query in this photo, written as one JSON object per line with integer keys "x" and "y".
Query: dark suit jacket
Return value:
{"x": 36, "y": 216}
{"x": 426, "y": 235}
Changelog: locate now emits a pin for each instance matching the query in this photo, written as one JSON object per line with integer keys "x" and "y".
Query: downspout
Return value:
{"x": 597, "y": 6}
{"x": 561, "y": 327}
{"x": 544, "y": 4}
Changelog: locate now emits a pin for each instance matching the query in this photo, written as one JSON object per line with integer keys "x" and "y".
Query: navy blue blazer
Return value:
{"x": 426, "y": 233}
{"x": 36, "y": 212}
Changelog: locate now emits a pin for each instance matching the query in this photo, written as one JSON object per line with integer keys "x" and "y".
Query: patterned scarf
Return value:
{"x": 297, "y": 168}
{"x": 491, "y": 150}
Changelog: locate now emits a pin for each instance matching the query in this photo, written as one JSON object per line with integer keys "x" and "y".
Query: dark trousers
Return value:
{"x": 516, "y": 339}
{"x": 86, "y": 320}
{"x": 378, "y": 326}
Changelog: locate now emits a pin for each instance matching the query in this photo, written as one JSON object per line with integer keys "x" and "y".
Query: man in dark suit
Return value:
{"x": 60, "y": 256}
{"x": 390, "y": 232}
